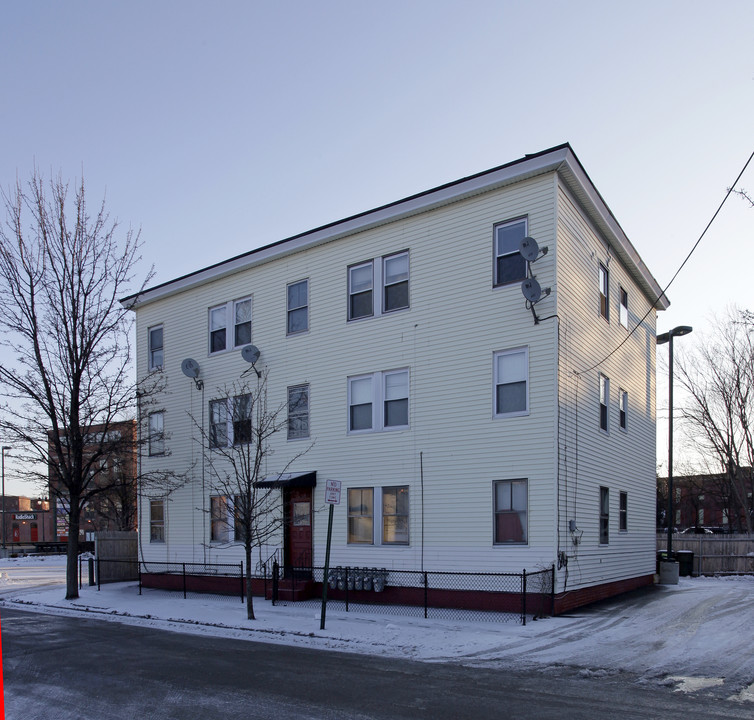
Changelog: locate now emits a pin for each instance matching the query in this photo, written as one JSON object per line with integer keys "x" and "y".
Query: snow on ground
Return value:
{"x": 693, "y": 636}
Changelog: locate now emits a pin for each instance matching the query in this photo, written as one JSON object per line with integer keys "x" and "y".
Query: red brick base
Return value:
{"x": 585, "y": 596}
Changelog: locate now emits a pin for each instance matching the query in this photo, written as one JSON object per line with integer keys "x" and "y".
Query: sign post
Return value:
{"x": 332, "y": 498}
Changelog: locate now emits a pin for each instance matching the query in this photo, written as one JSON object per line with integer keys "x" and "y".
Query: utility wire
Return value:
{"x": 665, "y": 289}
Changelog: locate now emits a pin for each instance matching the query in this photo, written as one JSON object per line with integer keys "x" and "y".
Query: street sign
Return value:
{"x": 332, "y": 492}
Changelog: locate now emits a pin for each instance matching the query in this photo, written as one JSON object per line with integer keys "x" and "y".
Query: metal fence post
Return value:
{"x": 346, "y": 589}
{"x": 425, "y": 595}
{"x": 90, "y": 563}
{"x": 552, "y": 591}
{"x": 275, "y": 571}
{"x": 139, "y": 578}
{"x": 99, "y": 575}
{"x": 242, "y": 579}
{"x": 184, "y": 581}
{"x": 523, "y": 597}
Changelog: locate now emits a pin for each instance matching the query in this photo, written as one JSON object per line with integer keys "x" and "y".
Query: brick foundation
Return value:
{"x": 585, "y": 596}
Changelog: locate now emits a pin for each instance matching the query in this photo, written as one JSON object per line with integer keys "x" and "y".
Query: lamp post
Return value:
{"x": 4, "y": 448}
{"x": 661, "y": 340}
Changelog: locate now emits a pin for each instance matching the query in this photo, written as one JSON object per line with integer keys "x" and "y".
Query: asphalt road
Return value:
{"x": 61, "y": 668}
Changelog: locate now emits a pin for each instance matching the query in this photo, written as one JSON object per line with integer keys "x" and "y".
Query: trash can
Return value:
{"x": 685, "y": 560}
{"x": 662, "y": 556}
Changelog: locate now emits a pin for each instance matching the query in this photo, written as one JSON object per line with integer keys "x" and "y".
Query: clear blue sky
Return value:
{"x": 217, "y": 127}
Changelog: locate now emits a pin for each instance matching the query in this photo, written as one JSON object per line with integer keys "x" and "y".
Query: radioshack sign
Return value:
{"x": 25, "y": 516}
{"x": 332, "y": 492}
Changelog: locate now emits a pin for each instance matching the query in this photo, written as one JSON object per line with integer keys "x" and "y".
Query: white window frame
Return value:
{"x": 623, "y": 310}
{"x": 349, "y": 516}
{"x": 156, "y": 433}
{"x": 229, "y": 314}
{"x": 497, "y": 227}
{"x": 379, "y": 400}
{"x": 623, "y": 409}
{"x": 231, "y": 530}
{"x": 153, "y": 352}
{"x": 157, "y": 537}
{"x": 297, "y": 412}
{"x": 379, "y": 280}
{"x": 230, "y": 404}
{"x": 604, "y": 403}
{"x": 397, "y": 515}
{"x": 604, "y": 291}
{"x": 385, "y": 284}
{"x": 292, "y": 309}
{"x": 497, "y": 381}
{"x": 509, "y": 511}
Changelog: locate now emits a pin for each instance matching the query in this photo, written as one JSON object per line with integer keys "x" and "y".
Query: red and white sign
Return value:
{"x": 332, "y": 492}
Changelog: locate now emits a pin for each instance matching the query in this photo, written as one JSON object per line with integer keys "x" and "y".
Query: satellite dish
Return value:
{"x": 531, "y": 290}
{"x": 529, "y": 249}
{"x": 190, "y": 368}
{"x": 250, "y": 353}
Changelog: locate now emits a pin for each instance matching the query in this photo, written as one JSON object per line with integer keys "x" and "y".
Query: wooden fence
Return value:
{"x": 715, "y": 554}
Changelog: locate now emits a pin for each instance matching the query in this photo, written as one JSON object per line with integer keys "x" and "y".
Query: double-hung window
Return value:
{"x": 157, "y": 521}
{"x": 226, "y": 524}
{"x": 623, "y": 512}
{"x": 230, "y": 421}
{"x": 298, "y": 412}
{"x": 604, "y": 401}
{"x": 155, "y": 348}
{"x": 157, "y": 433}
{"x": 230, "y": 325}
{"x": 361, "y": 516}
{"x": 604, "y": 516}
{"x": 623, "y": 410}
{"x": 297, "y": 307}
{"x": 511, "y": 511}
{"x": 511, "y": 382}
{"x": 510, "y": 265}
{"x": 378, "y": 401}
{"x": 391, "y": 274}
{"x": 395, "y": 515}
{"x": 395, "y": 282}
{"x": 604, "y": 278}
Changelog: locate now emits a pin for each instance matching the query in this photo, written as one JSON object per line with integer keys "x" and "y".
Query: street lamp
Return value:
{"x": 4, "y": 448}
{"x": 661, "y": 340}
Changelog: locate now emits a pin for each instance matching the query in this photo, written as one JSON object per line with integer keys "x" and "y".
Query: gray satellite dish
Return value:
{"x": 529, "y": 249}
{"x": 531, "y": 290}
{"x": 190, "y": 368}
{"x": 250, "y": 353}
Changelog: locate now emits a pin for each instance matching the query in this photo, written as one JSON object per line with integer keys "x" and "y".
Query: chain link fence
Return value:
{"x": 493, "y": 597}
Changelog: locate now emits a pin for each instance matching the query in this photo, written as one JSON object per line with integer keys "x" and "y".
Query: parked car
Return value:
{"x": 696, "y": 531}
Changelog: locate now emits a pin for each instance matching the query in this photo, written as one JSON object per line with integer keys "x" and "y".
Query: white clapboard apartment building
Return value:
{"x": 486, "y": 408}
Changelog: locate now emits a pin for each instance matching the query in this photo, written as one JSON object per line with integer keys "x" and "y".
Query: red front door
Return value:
{"x": 16, "y": 534}
{"x": 34, "y": 532}
{"x": 298, "y": 531}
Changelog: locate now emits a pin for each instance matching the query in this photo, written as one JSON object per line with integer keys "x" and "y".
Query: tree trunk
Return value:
{"x": 72, "y": 557}
{"x": 249, "y": 597}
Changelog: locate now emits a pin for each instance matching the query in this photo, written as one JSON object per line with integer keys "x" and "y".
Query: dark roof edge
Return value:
{"x": 132, "y": 299}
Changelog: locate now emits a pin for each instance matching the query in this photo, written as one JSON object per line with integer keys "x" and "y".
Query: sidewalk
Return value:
{"x": 694, "y": 633}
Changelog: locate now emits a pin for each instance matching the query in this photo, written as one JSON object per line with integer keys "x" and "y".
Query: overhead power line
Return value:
{"x": 665, "y": 289}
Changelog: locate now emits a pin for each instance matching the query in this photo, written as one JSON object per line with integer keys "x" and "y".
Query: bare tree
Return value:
{"x": 718, "y": 376}
{"x": 237, "y": 452}
{"x": 62, "y": 272}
